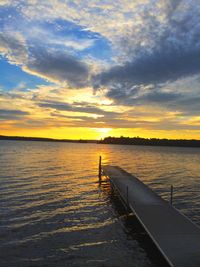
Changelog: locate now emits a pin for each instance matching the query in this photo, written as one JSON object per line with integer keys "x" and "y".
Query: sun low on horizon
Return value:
{"x": 92, "y": 69}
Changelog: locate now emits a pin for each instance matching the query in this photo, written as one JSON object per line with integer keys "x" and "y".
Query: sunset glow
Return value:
{"x": 65, "y": 74}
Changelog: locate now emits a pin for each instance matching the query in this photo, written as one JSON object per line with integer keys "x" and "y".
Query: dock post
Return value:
{"x": 127, "y": 201}
{"x": 100, "y": 169}
{"x": 171, "y": 194}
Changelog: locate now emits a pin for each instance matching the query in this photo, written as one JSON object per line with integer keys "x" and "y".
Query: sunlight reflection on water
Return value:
{"x": 53, "y": 212}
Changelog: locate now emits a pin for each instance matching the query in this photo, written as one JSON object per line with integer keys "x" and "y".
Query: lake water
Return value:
{"x": 53, "y": 213}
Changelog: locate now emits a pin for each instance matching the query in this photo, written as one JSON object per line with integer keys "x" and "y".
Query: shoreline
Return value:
{"x": 137, "y": 141}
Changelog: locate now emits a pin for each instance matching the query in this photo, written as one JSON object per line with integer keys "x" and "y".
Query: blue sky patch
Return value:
{"x": 13, "y": 77}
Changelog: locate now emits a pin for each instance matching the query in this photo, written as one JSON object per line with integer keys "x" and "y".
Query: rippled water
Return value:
{"x": 53, "y": 212}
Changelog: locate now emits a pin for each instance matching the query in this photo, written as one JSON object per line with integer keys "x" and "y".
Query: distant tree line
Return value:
{"x": 115, "y": 140}
{"x": 150, "y": 141}
{"x": 22, "y": 138}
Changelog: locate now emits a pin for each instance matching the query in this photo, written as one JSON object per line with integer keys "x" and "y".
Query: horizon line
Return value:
{"x": 83, "y": 139}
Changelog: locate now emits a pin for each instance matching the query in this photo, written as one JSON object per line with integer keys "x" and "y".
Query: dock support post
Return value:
{"x": 127, "y": 201}
{"x": 171, "y": 194}
{"x": 100, "y": 169}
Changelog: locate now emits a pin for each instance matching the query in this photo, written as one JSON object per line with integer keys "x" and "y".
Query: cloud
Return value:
{"x": 151, "y": 46}
{"x": 49, "y": 63}
{"x": 141, "y": 96}
{"x": 51, "y": 113}
{"x": 163, "y": 123}
{"x": 57, "y": 66}
{"x": 89, "y": 13}
{"x": 5, "y": 2}
{"x": 186, "y": 103}
{"x": 13, "y": 46}
{"x": 163, "y": 49}
{"x": 153, "y": 41}
{"x": 53, "y": 38}
{"x": 119, "y": 18}
{"x": 171, "y": 59}
{"x": 8, "y": 114}
{"x": 62, "y": 106}
{"x": 159, "y": 67}
{"x": 13, "y": 112}
{"x": 43, "y": 50}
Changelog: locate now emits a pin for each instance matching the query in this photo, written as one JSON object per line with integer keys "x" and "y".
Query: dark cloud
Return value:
{"x": 58, "y": 66}
{"x": 8, "y": 114}
{"x": 49, "y": 63}
{"x": 140, "y": 96}
{"x": 187, "y": 105}
{"x": 161, "y": 97}
{"x": 160, "y": 67}
{"x": 166, "y": 51}
{"x": 68, "y": 107}
{"x": 13, "y": 112}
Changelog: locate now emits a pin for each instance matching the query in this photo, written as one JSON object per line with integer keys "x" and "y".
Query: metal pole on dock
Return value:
{"x": 171, "y": 195}
{"x": 127, "y": 200}
{"x": 100, "y": 169}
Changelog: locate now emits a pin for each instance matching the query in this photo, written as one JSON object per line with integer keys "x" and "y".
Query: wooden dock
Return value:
{"x": 177, "y": 238}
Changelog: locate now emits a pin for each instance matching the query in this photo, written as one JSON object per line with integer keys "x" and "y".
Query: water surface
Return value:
{"x": 53, "y": 212}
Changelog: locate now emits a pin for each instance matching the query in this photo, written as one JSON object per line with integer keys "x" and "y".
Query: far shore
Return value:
{"x": 114, "y": 141}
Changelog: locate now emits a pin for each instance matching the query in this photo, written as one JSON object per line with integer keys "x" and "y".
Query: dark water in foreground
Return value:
{"x": 53, "y": 213}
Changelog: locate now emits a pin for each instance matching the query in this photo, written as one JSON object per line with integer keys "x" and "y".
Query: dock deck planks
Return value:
{"x": 177, "y": 238}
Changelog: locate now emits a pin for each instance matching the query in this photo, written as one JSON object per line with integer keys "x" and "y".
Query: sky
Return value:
{"x": 91, "y": 69}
